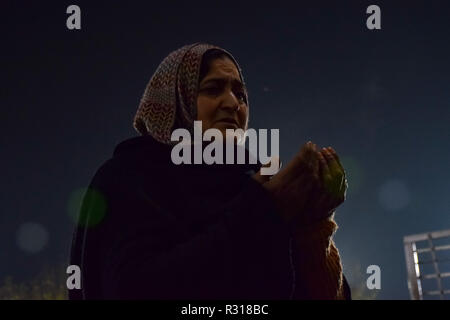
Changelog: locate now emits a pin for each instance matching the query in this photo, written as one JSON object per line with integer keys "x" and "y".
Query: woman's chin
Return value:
{"x": 223, "y": 125}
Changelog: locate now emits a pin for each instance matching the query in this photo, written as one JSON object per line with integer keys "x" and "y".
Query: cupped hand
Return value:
{"x": 310, "y": 187}
{"x": 331, "y": 189}
{"x": 290, "y": 187}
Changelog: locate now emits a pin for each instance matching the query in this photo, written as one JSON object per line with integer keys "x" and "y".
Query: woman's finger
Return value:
{"x": 315, "y": 163}
{"x": 335, "y": 155}
{"x": 310, "y": 157}
{"x": 337, "y": 175}
{"x": 323, "y": 165}
{"x": 332, "y": 162}
{"x": 344, "y": 184}
{"x": 294, "y": 167}
{"x": 301, "y": 159}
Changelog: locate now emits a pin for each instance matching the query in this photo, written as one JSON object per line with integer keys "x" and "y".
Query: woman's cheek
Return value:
{"x": 243, "y": 115}
{"x": 205, "y": 111}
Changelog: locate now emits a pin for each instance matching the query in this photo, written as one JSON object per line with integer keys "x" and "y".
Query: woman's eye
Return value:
{"x": 212, "y": 90}
{"x": 217, "y": 90}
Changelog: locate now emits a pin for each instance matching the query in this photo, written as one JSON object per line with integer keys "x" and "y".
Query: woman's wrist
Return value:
{"x": 315, "y": 234}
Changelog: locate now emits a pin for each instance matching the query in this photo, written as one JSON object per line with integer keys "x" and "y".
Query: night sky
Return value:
{"x": 315, "y": 72}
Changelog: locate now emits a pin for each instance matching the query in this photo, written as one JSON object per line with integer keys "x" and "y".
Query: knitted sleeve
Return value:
{"x": 317, "y": 262}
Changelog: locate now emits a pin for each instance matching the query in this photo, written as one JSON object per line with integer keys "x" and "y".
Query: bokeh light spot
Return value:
{"x": 393, "y": 195}
{"x": 87, "y": 207}
{"x": 31, "y": 237}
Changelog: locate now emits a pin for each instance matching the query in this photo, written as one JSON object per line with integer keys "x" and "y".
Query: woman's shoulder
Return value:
{"x": 132, "y": 152}
{"x": 142, "y": 147}
{"x": 131, "y": 161}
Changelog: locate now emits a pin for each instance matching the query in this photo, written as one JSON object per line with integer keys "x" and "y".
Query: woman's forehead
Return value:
{"x": 224, "y": 70}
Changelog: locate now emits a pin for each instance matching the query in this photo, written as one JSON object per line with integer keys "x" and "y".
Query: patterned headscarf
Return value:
{"x": 170, "y": 98}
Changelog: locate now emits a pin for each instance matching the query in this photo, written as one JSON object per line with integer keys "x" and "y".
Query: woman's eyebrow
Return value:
{"x": 235, "y": 82}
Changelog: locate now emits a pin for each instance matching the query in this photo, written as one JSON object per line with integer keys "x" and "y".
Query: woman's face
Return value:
{"x": 221, "y": 101}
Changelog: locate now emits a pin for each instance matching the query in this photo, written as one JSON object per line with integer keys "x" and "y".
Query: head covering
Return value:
{"x": 170, "y": 98}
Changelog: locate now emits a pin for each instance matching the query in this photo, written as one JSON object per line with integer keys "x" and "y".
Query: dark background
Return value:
{"x": 313, "y": 70}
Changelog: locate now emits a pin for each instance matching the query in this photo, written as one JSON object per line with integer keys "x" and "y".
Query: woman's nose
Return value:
{"x": 230, "y": 101}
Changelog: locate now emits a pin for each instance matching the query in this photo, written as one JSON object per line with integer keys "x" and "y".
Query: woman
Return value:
{"x": 150, "y": 229}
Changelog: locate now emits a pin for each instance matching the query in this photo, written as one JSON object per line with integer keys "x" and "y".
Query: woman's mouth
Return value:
{"x": 228, "y": 121}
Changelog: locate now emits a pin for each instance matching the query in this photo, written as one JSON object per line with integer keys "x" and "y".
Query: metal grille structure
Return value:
{"x": 428, "y": 265}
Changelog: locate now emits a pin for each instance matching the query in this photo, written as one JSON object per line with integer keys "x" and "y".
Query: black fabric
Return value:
{"x": 179, "y": 231}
